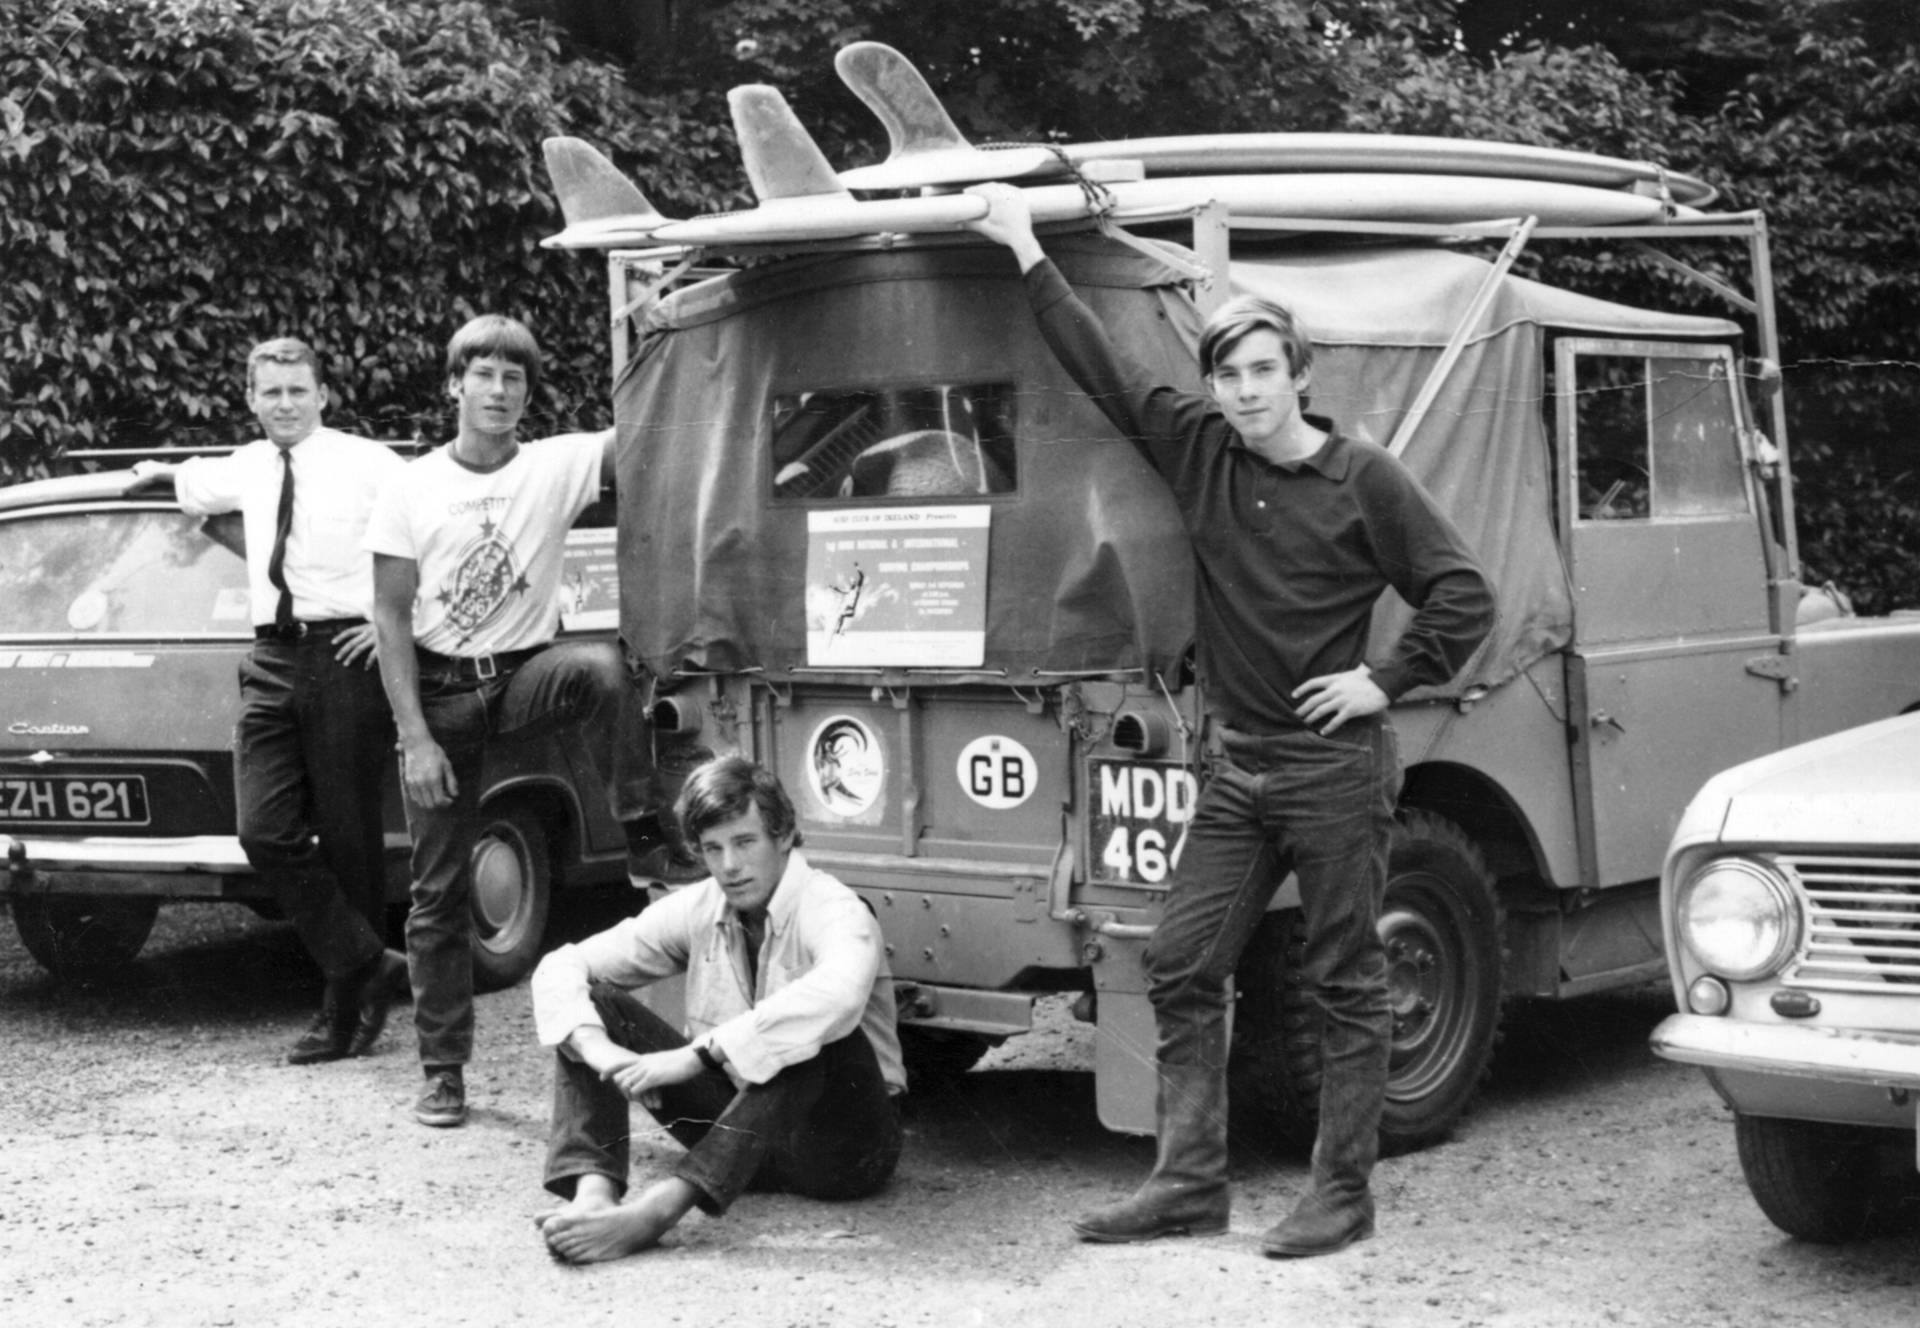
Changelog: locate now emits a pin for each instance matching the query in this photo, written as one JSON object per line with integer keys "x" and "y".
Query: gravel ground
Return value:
{"x": 163, "y": 1166}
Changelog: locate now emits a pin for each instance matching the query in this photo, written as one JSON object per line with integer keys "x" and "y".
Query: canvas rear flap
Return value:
{"x": 1089, "y": 569}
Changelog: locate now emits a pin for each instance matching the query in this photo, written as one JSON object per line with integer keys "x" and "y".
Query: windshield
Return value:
{"x": 124, "y": 571}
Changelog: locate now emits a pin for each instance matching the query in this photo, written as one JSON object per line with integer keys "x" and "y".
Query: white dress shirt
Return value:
{"x": 336, "y": 477}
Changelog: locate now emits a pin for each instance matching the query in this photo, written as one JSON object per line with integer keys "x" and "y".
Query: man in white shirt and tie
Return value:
{"x": 315, "y": 735}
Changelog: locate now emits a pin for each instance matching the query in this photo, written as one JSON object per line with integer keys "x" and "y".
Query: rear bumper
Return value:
{"x": 193, "y": 867}
{"x": 1855, "y": 1056}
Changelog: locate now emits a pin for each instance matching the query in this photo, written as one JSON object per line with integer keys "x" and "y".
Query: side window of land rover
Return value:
{"x": 1656, "y": 434}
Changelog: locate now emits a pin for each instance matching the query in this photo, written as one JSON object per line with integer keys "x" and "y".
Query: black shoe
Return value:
{"x": 444, "y": 1103}
{"x": 1153, "y": 1213}
{"x": 328, "y": 1036}
{"x": 377, "y": 994}
{"x": 1318, "y": 1227}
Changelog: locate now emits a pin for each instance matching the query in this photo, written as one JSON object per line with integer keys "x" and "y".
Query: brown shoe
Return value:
{"x": 1154, "y": 1212}
{"x": 443, "y": 1104}
{"x": 328, "y": 1036}
{"x": 1319, "y": 1226}
{"x": 377, "y": 994}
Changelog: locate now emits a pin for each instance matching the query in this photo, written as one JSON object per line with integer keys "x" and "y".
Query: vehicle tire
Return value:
{"x": 1442, "y": 929}
{"x": 512, "y": 894}
{"x": 83, "y": 936}
{"x": 1828, "y": 1183}
{"x": 935, "y": 1056}
{"x": 1275, "y": 1058}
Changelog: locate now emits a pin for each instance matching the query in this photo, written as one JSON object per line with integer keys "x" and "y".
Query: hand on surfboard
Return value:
{"x": 1008, "y": 221}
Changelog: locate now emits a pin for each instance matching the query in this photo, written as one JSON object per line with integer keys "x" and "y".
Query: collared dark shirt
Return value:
{"x": 1291, "y": 558}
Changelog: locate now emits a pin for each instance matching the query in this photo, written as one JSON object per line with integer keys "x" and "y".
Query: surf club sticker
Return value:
{"x": 997, "y": 772}
{"x": 846, "y": 767}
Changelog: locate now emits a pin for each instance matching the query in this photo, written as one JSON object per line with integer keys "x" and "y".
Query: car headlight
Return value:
{"x": 1738, "y": 917}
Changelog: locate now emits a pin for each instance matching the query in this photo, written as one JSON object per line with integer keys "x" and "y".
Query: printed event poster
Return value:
{"x": 590, "y": 582}
{"x": 897, "y": 587}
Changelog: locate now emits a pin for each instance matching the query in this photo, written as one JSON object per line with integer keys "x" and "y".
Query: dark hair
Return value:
{"x": 1233, "y": 321}
{"x": 285, "y": 350}
{"x": 723, "y": 789}
{"x": 497, "y": 337}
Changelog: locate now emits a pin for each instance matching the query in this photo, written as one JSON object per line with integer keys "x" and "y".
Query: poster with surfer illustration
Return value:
{"x": 898, "y": 587}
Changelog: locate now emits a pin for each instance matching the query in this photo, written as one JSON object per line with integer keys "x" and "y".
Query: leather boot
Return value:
{"x": 1187, "y": 1193}
{"x": 328, "y": 1036}
{"x": 1319, "y": 1226}
{"x": 1338, "y": 1209}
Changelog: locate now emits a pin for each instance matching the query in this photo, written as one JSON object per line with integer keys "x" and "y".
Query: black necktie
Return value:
{"x": 282, "y": 526}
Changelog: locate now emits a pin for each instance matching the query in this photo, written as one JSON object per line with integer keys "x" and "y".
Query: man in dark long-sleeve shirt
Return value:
{"x": 1296, "y": 531}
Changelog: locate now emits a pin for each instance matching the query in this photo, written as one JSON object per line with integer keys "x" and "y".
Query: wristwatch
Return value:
{"x": 711, "y": 1054}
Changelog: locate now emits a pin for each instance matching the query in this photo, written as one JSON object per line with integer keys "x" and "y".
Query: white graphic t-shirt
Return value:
{"x": 489, "y": 547}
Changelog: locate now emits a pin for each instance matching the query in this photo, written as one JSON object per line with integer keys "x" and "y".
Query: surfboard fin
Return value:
{"x": 897, "y": 92}
{"x": 926, "y": 150}
{"x": 601, "y": 205}
{"x": 781, "y": 158}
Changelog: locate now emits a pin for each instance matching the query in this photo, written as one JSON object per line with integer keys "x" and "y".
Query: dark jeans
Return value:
{"x": 825, "y": 1128}
{"x": 572, "y": 682}
{"x": 1322, "y": 807}
{"x": 314, "y": 740}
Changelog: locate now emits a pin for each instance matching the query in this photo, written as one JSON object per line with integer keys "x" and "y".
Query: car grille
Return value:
{"x": 1863, "y": 922}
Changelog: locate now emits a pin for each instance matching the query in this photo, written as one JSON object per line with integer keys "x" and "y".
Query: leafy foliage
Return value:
{"x": 179, "y": 178}
{"x": 1859, "y": 526}
{"x": 182, "y": 178}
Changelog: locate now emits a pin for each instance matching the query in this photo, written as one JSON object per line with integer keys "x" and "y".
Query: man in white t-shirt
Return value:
{"x": 315, "y": 734}
{"x": 468, "y": 548}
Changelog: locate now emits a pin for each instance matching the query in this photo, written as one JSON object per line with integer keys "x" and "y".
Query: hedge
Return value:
{"x": 182, "y": 178}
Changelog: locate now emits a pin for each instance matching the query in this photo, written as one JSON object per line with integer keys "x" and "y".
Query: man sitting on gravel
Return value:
{"x": 790, "y": 1078}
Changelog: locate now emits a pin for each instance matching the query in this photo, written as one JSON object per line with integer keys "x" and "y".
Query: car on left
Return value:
{"x": 125, "y": 625}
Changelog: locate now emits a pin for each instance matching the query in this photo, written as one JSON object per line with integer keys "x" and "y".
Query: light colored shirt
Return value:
{"x": 489, "y": 546}
{"x": 822, "y": 973}
{"x": 336, "y": 477}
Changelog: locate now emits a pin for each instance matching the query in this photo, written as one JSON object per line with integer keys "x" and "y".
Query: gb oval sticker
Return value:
{"x": 996, "y": 772}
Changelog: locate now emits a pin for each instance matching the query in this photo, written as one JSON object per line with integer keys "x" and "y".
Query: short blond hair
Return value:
{"x": 284, "y": 350}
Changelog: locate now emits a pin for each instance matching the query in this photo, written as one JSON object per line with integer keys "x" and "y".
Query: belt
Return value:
{"x": 473, "y": 668}
{"x": 293, "y": 631}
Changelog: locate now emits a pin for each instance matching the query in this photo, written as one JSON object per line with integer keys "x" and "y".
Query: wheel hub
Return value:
{"x": 499, "y": 885}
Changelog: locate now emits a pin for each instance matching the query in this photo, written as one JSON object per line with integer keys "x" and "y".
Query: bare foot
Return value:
{"x": 602, "y": 1232}
{"x": 586, "y": 1199}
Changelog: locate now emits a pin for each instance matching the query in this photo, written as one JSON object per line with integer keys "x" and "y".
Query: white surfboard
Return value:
{"x": 801, "y": 198}
{"x": 1438, "y": 199}
{"x": 927, "y": 151}
{"x": 603, "y": 208}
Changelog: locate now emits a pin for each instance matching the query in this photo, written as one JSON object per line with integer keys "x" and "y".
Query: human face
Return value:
{"x": 1257, "y": 388}
{"x": 286, "y": 400}
{"x": 746, "y": 860}
{"x": 492, "y": 395}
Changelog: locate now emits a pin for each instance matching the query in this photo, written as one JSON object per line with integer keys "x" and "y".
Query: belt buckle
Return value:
{"x": 484, "y": 668}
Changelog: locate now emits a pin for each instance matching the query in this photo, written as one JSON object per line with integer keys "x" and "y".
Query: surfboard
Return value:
{"x": 1437, "y": 199}
{"x": 801, "y": 199}
{"x": 602, "y": 207}
{"x": 927, "y": 151}
{"x": 800, "y": 196}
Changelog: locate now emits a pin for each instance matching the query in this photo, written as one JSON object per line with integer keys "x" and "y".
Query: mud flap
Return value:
{"x": 1124, "y": 1039}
